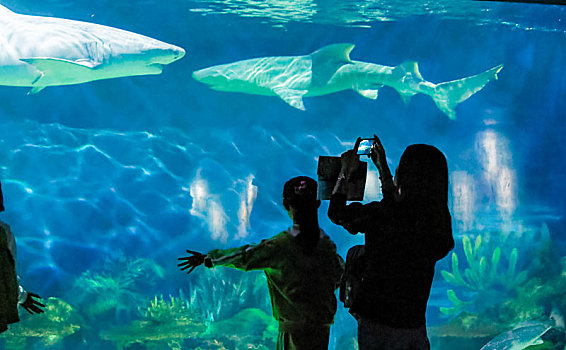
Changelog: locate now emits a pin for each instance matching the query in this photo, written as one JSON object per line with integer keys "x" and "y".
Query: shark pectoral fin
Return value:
{"x": 327, "y": 60}
{"x": 447, "y": 107}
{"x": 406, "y": 96}
{"x": 371, "y": 94}
{"x": 35, "y": 90}
{"x": 293, "y": 97}
{"x": 87, "y": 63}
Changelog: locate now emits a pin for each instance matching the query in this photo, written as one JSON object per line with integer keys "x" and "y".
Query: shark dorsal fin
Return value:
{"x": 327, "y": 60}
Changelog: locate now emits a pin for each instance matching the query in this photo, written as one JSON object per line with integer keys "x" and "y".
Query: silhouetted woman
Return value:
{"x": 407, "y": 232}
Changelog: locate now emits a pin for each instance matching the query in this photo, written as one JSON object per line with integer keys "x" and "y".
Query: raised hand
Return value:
{"x": 377, "y": 154}
{"x": 191, "y": 262}
{"x": 33, "y": 306}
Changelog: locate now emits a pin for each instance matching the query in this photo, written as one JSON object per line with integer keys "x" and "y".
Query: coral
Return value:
{"x": 457, "y": 304}
{"x": 116, "y": 287}
{"x": 220, "y": 293}
{"x": 58, "y": 321}
{"x": 165, "y": 325}
{"x": 504, "y": 297}
{"x": 175, "y": 310}
{"x": 250, "y": 328}
{"x": 484, "y": 275}
{"x": 535, "y": 300}
{"x": 484, "y": 272}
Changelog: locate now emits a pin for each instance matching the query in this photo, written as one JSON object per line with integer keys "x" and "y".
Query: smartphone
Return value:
{"x": 364, "y": 147}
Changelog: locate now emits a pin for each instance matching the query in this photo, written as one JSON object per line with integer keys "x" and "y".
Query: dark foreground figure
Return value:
{"x": 302, "y": 267}
{"x": 388, "y": 281}
{"x": 11, "y": 293}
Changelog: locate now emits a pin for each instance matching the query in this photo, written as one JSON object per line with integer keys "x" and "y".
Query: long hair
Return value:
{"x": 423, "y": 173}
{"x": 422, "y": 177}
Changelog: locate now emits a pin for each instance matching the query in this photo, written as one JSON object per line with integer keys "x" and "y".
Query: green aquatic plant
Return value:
{"x": 59, "y": 321}
{"x": 220, "y": 293}
{"x": 534, "y": 299}
{"x": 116, "y": 287}
{"x": 486, "y": 276}
{"x": 457, "y": 305}
{"x": 249, "y": 327}
{"x": 174, "y": 310}
{"x": 522, "y": 301}
{"x": 165, "y": 324}
{"x": 484, "y": 271}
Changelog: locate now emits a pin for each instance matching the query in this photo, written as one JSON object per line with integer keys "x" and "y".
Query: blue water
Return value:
{"x": 146, "y": 167}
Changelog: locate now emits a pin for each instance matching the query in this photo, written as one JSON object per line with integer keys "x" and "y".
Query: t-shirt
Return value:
{"x": 301, "y": 283}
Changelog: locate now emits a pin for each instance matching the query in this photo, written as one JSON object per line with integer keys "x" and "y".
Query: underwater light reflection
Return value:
{"x": 247, "y": 200}
{"x": 495, "y": 156}
{"x": 463, "y": 199}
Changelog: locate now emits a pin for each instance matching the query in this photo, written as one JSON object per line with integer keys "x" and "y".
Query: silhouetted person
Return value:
{"x": 11, "y": 293}
{"x": 302, "y": 267}
{"x": 405, "y": 234}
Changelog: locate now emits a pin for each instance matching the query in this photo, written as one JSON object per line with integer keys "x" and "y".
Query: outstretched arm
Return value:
{"x": 248, "y": 257}
{"x": 261, "y": 256}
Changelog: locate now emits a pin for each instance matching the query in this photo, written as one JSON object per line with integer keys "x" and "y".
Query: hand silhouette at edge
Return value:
{"x": 191, "y": 262}
{"x": 33, "y": 306}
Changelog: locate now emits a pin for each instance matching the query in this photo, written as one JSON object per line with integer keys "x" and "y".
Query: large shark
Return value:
{"x": 45, "y": 51}
{"x": 329, "y": 70}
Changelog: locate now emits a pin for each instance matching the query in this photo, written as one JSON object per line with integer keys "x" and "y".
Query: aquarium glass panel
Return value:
{"x": 135, "y": 130}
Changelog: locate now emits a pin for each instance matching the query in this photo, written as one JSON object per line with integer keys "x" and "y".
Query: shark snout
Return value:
{"x": 166, "y": 55}
{"x": 178, "y": 53}
{"x": 199, "y": 75}
{"x": 209, "y": 76}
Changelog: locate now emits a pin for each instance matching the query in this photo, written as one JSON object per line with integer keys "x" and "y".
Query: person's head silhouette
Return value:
{"x": 423, "y": 173}
{"x": 300, "y": 193}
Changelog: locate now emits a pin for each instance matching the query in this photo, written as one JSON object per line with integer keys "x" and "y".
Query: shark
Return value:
{"x": 38, "y": 51}
{"x": 518, "y": 338}
{"x": 329, "y": 70}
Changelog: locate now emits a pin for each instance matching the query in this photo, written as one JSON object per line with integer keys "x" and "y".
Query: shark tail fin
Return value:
{"x": 447, "y": 95}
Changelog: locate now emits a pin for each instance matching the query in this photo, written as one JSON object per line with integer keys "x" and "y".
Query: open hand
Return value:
{"x": 33, "y": 306}
{"x": 191, "y": 262}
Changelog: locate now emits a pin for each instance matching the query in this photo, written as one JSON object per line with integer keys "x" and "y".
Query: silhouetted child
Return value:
{"x": 302, "y": 267}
